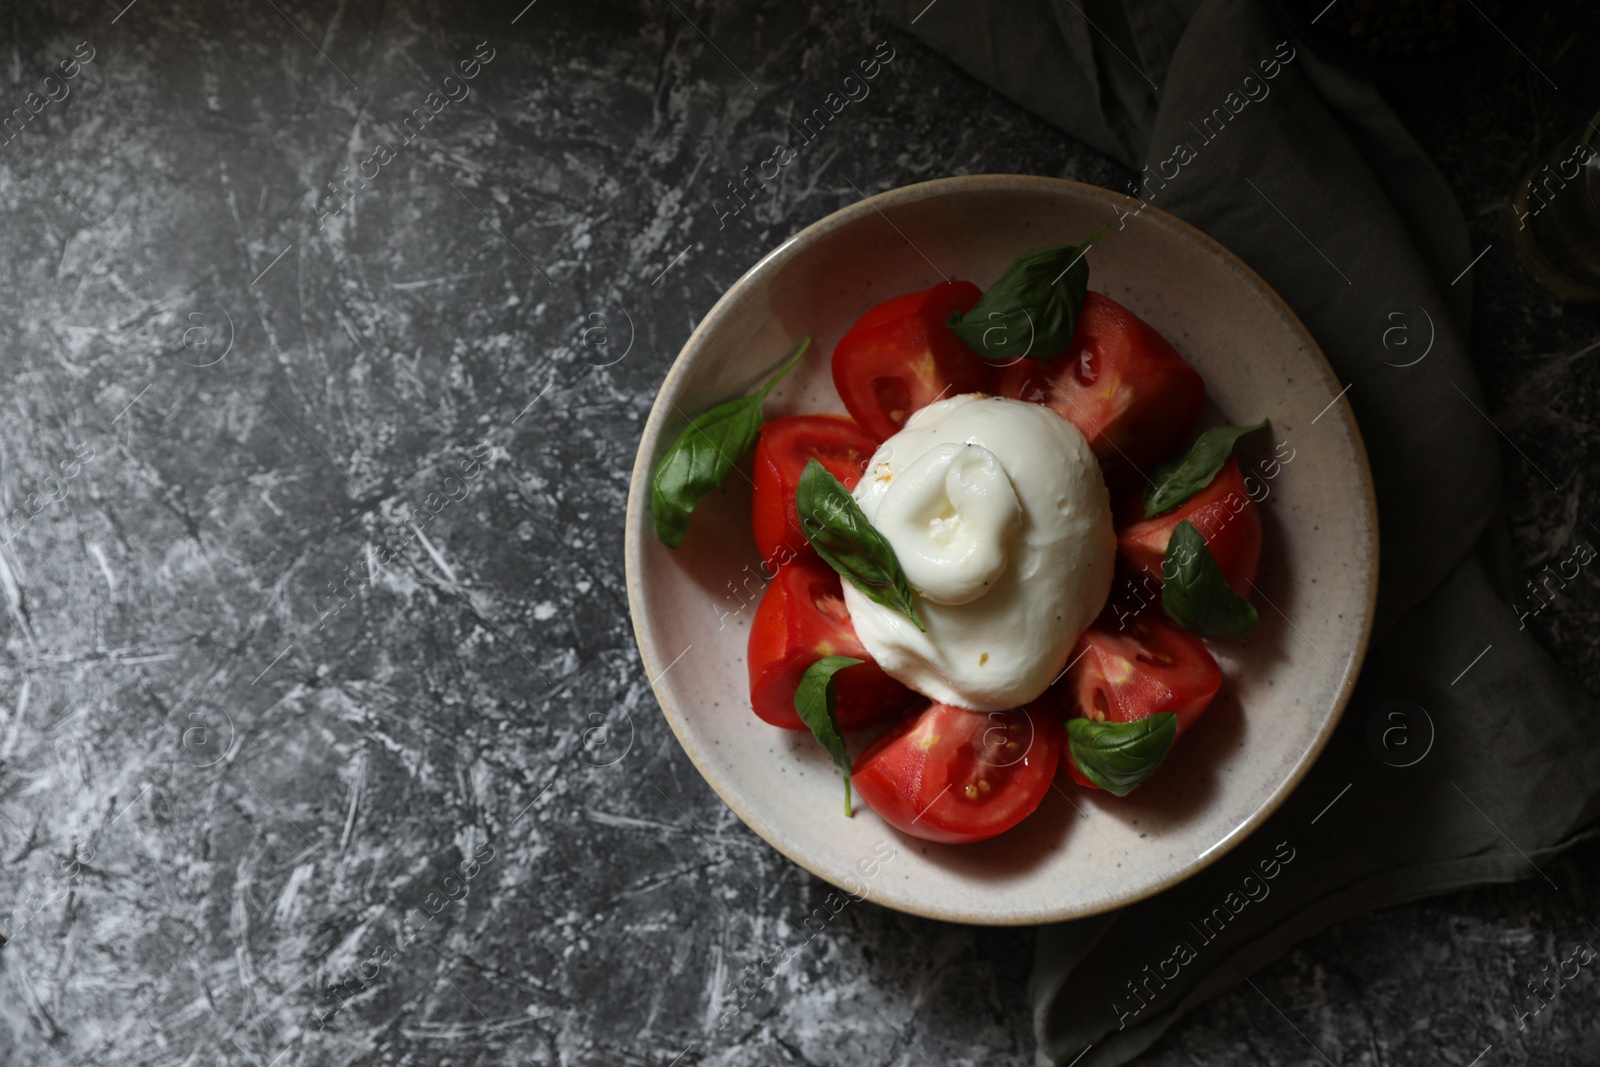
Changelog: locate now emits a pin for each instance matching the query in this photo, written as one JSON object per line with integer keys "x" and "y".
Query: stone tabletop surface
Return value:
{"x": 323, "y": 737}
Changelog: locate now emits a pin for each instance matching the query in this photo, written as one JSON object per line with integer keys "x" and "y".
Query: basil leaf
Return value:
{"x": 1032, "y": 310}
{"x": 705, "y": 453}
{"x": 1195, "y": 595}
{"x": 814, "y": 700}
{"x": 835, "y": 525}
{"x": 1117, "y": 756}
{"x": 1177, "y": 480}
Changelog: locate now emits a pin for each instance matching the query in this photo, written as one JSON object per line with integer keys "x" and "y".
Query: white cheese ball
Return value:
{"x": 1001, "y": 520}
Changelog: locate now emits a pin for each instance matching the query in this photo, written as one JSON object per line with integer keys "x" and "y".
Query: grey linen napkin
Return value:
{"x": 1315, "y": 183}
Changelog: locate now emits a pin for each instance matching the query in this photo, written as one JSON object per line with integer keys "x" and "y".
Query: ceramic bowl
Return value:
{"x": 1082, "y": 852}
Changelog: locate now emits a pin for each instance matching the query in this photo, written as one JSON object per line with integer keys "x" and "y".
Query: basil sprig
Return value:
{"x": 1195, "y": 595}
{"x": 1031, "y": 311}
{"x": 705, "y": 453}
{"x": 1177, "y": 480}
{"x": 838, "y": 529}
{"x": 814, "y": 700}
{"x": 1118, "y": 756}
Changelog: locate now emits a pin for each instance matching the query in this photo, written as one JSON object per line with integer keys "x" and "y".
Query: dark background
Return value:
{"x": 258, "y": 798}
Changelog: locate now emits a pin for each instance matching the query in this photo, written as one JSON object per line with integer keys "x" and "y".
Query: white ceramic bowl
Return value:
{"x": 1083, "y": 852}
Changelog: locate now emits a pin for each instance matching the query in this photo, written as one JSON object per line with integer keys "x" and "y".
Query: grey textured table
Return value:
{"x": 291, "y": 773}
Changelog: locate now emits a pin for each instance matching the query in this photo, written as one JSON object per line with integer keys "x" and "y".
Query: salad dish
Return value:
{"x": 1024, "y": 557}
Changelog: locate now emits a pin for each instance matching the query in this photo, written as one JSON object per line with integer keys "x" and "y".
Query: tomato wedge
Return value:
{"x": 781, "y": 454}
{"x": 1121, "y": 384}
{"x": 802, "y": 618}
{"x": 1224, "y": 514}
{"x": 953, "y": 775}
{"x": 900, "y": 357}
{"x": 1148, "y": 666}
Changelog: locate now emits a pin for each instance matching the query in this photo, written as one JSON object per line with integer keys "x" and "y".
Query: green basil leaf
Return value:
{"x": 835, "y": 525}
{"x": 705, "y": 453}
{"x": 814, "y": 700}
{"x": 1032, "y": 309}
{"x": 1177, "y": 480}
{"x": 1195, "y": 595}
{"x": 1117, "y": 756}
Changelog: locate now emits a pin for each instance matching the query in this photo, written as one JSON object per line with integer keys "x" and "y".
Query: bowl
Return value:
{"x": 1083, "y": 852}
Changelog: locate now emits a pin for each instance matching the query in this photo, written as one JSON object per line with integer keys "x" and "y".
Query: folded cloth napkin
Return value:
{"x": 1305, "y": 173}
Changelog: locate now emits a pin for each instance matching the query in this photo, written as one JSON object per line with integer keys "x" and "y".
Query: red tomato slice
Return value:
{"x": 1121, "y": 384}
{"x": 953, "y": 775}
{"x": 782, "y": 453}
{"x": 893, "y": 308}
{"x": 900, "y": 357}
{"x": 1149, "y": 666}
{"x": 801, "y": 619}
{"x": 1224, "y": 514}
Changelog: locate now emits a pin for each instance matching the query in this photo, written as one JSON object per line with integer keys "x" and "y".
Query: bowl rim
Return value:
{"x": 637, "y": 507}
